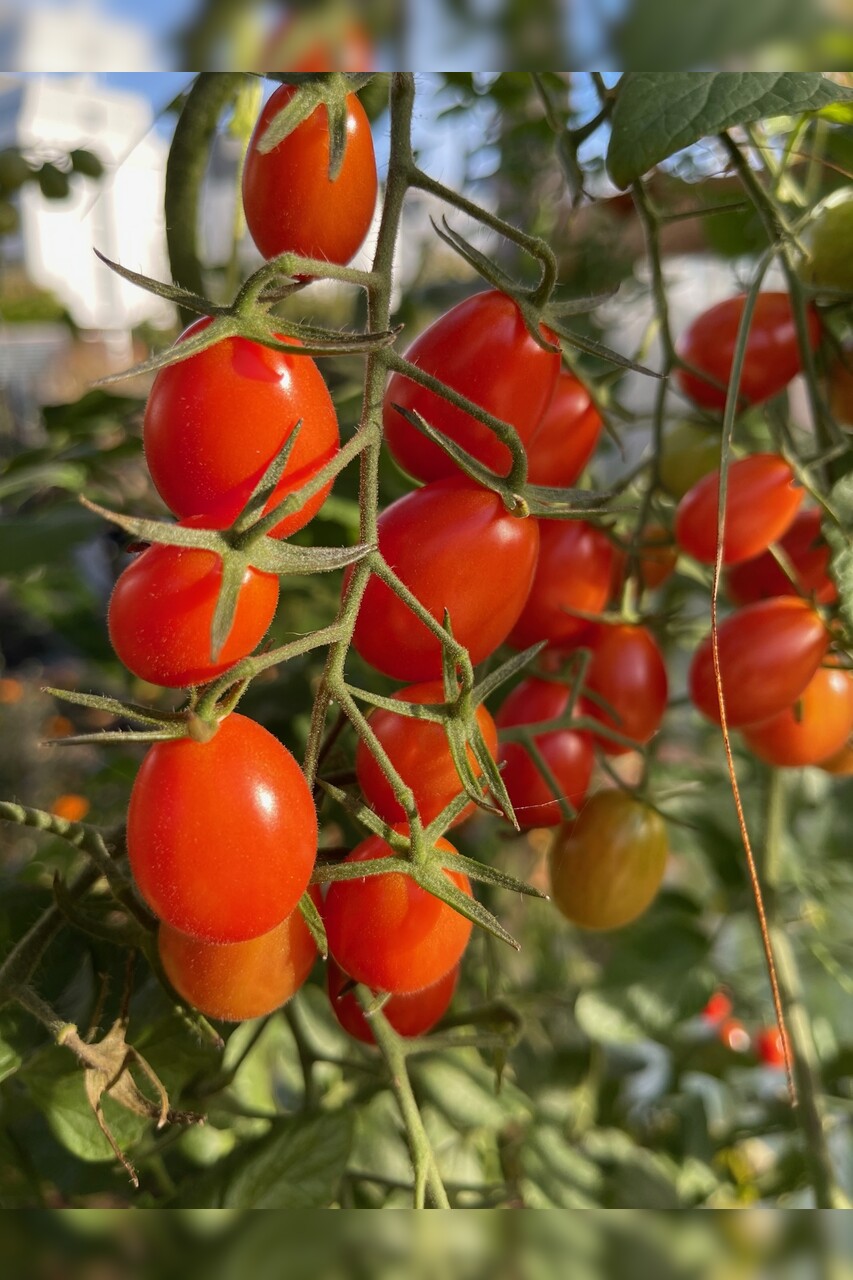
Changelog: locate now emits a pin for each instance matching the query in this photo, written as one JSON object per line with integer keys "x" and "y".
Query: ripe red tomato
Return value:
{"x": 607, "y": 865}
{"x": 656, "y": 557}
{"x": 347, "y": 49}
{"x": 410, "y": 1015}
{"x": 815, "y": 728}
{"x": 772, "y": 350}
{"x": 769, "y": 652}
{"x": 841, "y": 764}
{"x": 238, "y": 980}
{"x": 565, "y": 439}
{"x": 388, "y": 932}
{"x": 419, "y": 751}
{"x": 481, "y": 349}
{"x": 567, "y": 752}
{"x": 222, "y": 835}
{"x": 761, "y": 503}
{"x": 808, "y": 554}
{"x": 574, "y": 572}
{"x": 717, "y": 1009}
{"x": 769, "y": 1047}
{"x": 161, "y": 612}
{"x": 734, "y": 1035}
{"x": 840, "y": 387}
{"x": 214, "y": 423}
{"x": 455, "y": 547}
{"x": 627, "y": 670}
{"x": 291, "y": 205}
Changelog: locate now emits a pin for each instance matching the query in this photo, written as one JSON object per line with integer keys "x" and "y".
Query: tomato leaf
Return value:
{"x": 659, "y": 113}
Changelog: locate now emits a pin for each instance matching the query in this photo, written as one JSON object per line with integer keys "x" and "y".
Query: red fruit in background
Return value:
{"x": 481, "y": 349}
{"x": 734, "y": 1035}
{"x": 769, "y": 1047}
{"x": 410, "y": 1015}
{"x": 214, "y": 423}
{"x": 808, "y": 554}
{"x": 769, "y": 652}
{"x": 814, "y": 729}
{"x": 348, "y": 48}
{"x": 565, "y": 439}
{"x": 717, "y": 1009}
{"x": 655, "y": 554}
{"x": 761, "y": 503}
{"x": 627, "y": 670}
{"x": 841, "y": 764}
{"x": 772, "y": 350}
{"x": 574, "y": 572}
{"x": 567, "y": 752}
{"x": 456, "y": 548}
{"x": 420, "y": 752}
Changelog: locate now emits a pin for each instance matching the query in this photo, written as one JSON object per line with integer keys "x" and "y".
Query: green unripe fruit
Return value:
{"x": 829, "y": 244}
{"x": 688, "y": 452}
{"x": 14, "y": 170}
{"x": 54, "y": 184}
{"x": 87, "y": 163}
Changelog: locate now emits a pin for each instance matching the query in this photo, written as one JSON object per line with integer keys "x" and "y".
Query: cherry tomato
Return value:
{"x": 841, "y": 764}
{"x": 291, "y": 204}
{"x": 655, "y": 554}
{"x": 808, "y": 554}
{"x": 574, "y": 572}
{"x": 410, "y": 1015}
{"x": 347, "y": 49}
{"x": 761, "y": 503}
{"x": 627, "y": 670}
{"x": 454, "y": 545}
{"x": 815, "y": 728}
{"x": 420, "y": 752}
{"x": 214, "y": 423}
{"x": 772, "y": 350}
{"x": 565, "y": 439}
{"x": 161, "y": 613}
{"x": 769, "y": 652}
{"x": 238, "y": 980}
{"x": 734, "y": 1035}
{"x": 607, "y": 865}
{"x": 769, "y": 1047}
{"x": 689, "y": 450}
{"x": 481, "y": 349}
{"x": 840, "y": 387}
{"x": 717, "y": 1009}
{"x": 827, "y": 240}
{"x": 222, "y": 835}
{"x": 388, "y": 932}
{"x": 567, "y": 752}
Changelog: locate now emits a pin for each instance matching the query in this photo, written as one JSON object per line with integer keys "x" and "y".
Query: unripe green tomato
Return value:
{"x": 86, "y": 162}
{"x": 829, "y": 245}
{"x": 688, "y": 452}
{"x": 607, "y": 866}
{"x": 14, "y": 170}
{"x": 54, "y": 184}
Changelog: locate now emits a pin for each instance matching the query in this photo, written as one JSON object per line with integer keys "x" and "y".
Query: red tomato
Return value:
{"x": 410, "y": 1015}
{"x": 769, "y": 652}
{"x": 222, "y": 835}
{"x": 761, "y": 503}
{"x": 815, "y": 728}
{"x": 734, "y": 1035}
{"x": 481, "y": 349}
{"x": 388, "y": 932}
{"x": 291, "y": 205}
{"x": 607, "y": 865}
{"x": 161, "y": 613}
{"x": 717, "y": 1009}
{"x": 346, "y": 49}
{"x": 455, "y": 547}
{"x": 567, "y": 752}
{"x": 841, "y": 764}
{"x": 808, "y": 554}
{"x": 214, "y": 423}
{"x": 565, "y": 439}
{"x": 772, "y": 350}
{"x": 840, "y": 387}
{"x": 419, "y": 751}
{"x": 769, "y": 1047}
{"x": 655, "y": 555}
{"x": 574, "y": 572}
{"x": 238, "y": 980}
{"x": 627, "y": 670}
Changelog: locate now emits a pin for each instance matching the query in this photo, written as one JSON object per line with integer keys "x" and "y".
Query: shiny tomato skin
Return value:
{"x": 233, "y": 981}
{"x": 655, "y": 554}
{"x": 291, "y": 205}
{"x": 388, "y": 932}
{"x": 161, "y": 613}
{"x": 567, "y": 752}
{"x": 761, "y": 503}
{"x": 772, "y": 350}
{"x": 222, "y": 835}
{"x": 410, "y": 1015}
{"x": 214, "y": 422}
{"x": 565, "y": 439}
{"x": 808, "y": 553}
{"x": 455, "y": 547}
{"x": 814, "y": 729}
{"x": 481, "y": 349}
{"x": 769, "y": 652}
{"x": 607, "y": 866}
{"x": 419, "y": 751}
{"x": 574, "y": 572}
{"x": 627, "y": 670}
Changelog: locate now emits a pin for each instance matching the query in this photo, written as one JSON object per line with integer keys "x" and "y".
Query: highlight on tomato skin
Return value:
{"x": 761, "y": 503}
{"x": 814, "y": 729}
{"x": 410, "y": 1015}
{"x": 769, "y": 1048}
{"x": 566, "y": 437}
{"x": 808, "y": 555}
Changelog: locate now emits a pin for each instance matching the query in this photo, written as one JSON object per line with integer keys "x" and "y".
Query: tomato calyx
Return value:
{"x": 327, "y": 89}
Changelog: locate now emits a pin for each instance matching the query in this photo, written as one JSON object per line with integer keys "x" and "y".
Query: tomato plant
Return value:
{"x": 410, "y": 1015}
{"x": 607, "y": 866}
{"x": 223, "y": 863}
{"x": 628, "y": 673}
{"x": 806, "y": 553}
{"x": 572, "y": 578}
{"x": 814, "y": 729}
{"x": 565, "y": 439}
{"x": 761, "y": 503}
{"x": 655, "y": 555}
{"x": 291, "y": 203}
{"x": 566, "y": 752}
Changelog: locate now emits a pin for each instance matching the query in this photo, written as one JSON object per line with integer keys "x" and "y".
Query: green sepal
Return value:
{"x": 442, "y": 887}
{"x": 127, "y": 710}
{"x": 314, "y": 921}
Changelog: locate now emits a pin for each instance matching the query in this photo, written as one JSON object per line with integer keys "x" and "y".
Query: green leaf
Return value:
{"x": 659, "y": 113}
{"x": 841, "y": 545}
{"x": 56, "y": 1086}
